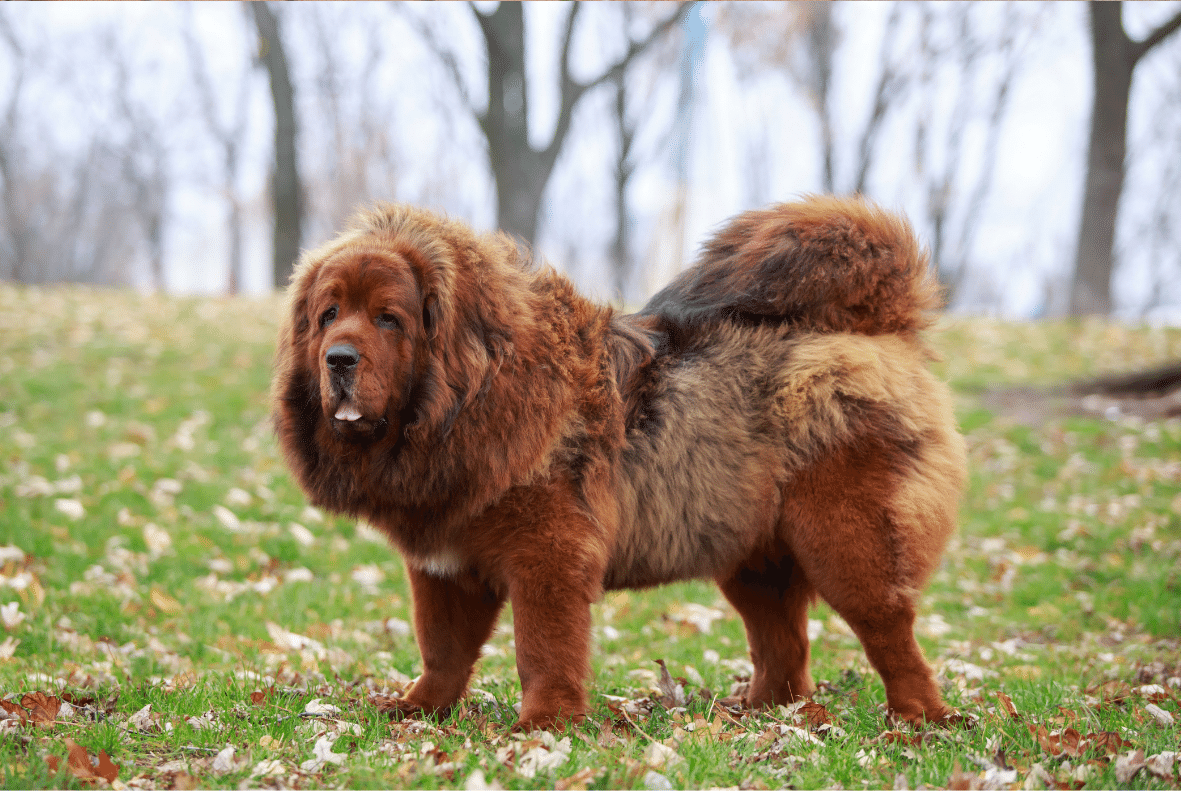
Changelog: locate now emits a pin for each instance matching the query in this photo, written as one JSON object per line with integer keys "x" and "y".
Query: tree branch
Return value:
{"x": 1141, "y": 48}
{"x": 890, "y": 83}
{"x": 445, "y": 55}
{"x": 573, "y": 91}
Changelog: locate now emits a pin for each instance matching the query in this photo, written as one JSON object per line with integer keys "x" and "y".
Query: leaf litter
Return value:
{"x": 175, "y": 515}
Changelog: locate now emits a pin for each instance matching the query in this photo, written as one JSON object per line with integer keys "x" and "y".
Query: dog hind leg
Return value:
{"x": 868, "y": 564}
{"x": 772, "y": 596}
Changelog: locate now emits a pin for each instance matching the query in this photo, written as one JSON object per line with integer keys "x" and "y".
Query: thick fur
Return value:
{"x": 766, "y": 421}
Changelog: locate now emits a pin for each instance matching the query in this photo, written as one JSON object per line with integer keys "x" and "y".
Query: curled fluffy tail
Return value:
{"x": 824, "y": 264}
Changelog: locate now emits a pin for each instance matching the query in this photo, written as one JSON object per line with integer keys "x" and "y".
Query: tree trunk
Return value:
{"x": 517, "y": 167}
{"x": 1091, "y": 290}
{"x": 520, "y": 170}
{"x": 285, "y": 185}
{"x": 621, "y": 243}
{"x": 1115, "y": 56}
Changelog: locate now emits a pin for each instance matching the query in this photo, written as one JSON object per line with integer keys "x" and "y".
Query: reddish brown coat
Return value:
{"x": 766, "y": 421}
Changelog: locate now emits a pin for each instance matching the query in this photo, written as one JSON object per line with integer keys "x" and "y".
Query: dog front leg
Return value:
{"x": 551, "y": 625}
{"x": 452, "y": 620}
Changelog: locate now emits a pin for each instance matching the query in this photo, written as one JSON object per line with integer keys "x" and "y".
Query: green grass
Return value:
{"x": 166, "y": 559}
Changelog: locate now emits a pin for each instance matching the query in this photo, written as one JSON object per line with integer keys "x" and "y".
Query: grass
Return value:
{"x": 163, "y": 575}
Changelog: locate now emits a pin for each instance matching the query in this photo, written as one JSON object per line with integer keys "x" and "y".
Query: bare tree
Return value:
{"x": 144, "y": 164}
{"x": 955, "y": 199}
{"x": 1115, "y": 55}
{"x": 821, "y": 42}
{"x": 359, "y": 161}
{"x": 285, "y": 183}
{"x": 228, "y": 135}
{"x": 17, "y": 236}
{"x": 891, "y": 83}
{"x": 631, "y": 90}
{"x": 520, "y": 170}
{"x": 64, "y": 212}
{"x": 625, "y": 137}
{"x": 1161, "y": 228}
{"x": 801, "y": 40}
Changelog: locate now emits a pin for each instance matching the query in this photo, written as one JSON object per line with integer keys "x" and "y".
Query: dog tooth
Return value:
{"x": 348, "y": 413}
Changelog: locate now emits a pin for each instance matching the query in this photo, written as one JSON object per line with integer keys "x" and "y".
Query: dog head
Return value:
{"x": 386, "y": 333}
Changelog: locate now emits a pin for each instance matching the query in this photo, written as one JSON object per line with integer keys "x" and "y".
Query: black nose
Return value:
{"x": 342, "y": 357}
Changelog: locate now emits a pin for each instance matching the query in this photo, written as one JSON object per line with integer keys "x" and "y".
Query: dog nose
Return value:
{"x": 342, "y": 357}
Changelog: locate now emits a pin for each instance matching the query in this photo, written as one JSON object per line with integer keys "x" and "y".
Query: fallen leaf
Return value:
{"x": 322, "y": 754}
{"x": 164, "y": 603}
{"x": 142, "y": 719}
{"x": 14, "y": 711}
{"x": 1161, "y": 716}
{"x": 183, "y": 781}
{"x": 539, "y": 759}
{"x": 661, "y": 756}
{"x": 1114, "y": 691}
{"x": 1128, "y": 766}
{"x": 82, "y": 766}
{"x": 315, "y": 708}
{"x": 224, "y": 762}
{"x": 672, "y": 694}
{"x": 1007, "y": 704}
{"x": 268, "y": 768}
{"x": 1071, "y": 741}
{"x": 577, "y": 781}
{"x": 11, "y": 616}
{"x": 815, "y": 714}
{"x": 1161, "y": 765}
{"x": 1038, "y": 777}
{"x": 961, "y": 780}
{"x": 42, "y": 708}
{"x": 1108, "y": 741}
{"x": 258, "y": 697}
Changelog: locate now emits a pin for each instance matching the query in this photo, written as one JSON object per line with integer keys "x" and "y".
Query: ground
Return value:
{"x": 173, "y": 615}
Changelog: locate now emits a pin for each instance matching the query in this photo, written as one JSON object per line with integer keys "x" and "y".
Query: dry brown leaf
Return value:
{"x": 42, "y": 708}
{"x": 1128, "y": 766}
{"x": 672, "y": 694}
{"x": 164, "y": 603}
{"x": 1114, "y": 691}
{"x": 82, "y": 766}
{"x": 961, "y": 780}
{"x": 899, "y": 737}
{"x": 1108, "y": 741}
{"x": 579, "y": 780}
{"x": 1007, "y": 704}
{"x": 15, "y": 710}
{"x": 183, "y": 781}
{"x": 815, "y": 714}
{"x": 1072, "y": 742}
{"x": 258, "y": 697}
{"x": 1161, "y": 765}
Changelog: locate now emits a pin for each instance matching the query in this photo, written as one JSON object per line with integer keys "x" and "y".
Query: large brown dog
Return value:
{"x": 767, "y": 421}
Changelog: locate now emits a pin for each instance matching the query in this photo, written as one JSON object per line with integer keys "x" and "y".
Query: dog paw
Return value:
{"x": 547, "y": 722}
{"x": 943, "y": 717}
{"x": 400, "y": 708}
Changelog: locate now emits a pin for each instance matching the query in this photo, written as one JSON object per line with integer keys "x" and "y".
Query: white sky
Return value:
{"x": 1025, "y": 237}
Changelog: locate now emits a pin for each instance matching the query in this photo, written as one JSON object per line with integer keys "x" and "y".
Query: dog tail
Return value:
{"x": 824, "y": 264}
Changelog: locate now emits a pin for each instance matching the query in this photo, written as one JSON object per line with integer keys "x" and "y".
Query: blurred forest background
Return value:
{"x": 195, "y": 148}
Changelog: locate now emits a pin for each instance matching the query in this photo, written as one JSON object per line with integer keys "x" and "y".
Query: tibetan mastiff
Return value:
{"x": 767, "y": 421}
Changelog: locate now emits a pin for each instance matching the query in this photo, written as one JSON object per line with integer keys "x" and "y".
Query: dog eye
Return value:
{"x": 388, "y": 321}
{"x": 327, "y": 317}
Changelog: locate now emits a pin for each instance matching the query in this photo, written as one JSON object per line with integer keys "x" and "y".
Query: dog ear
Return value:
{"x": 430, "y": 317}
